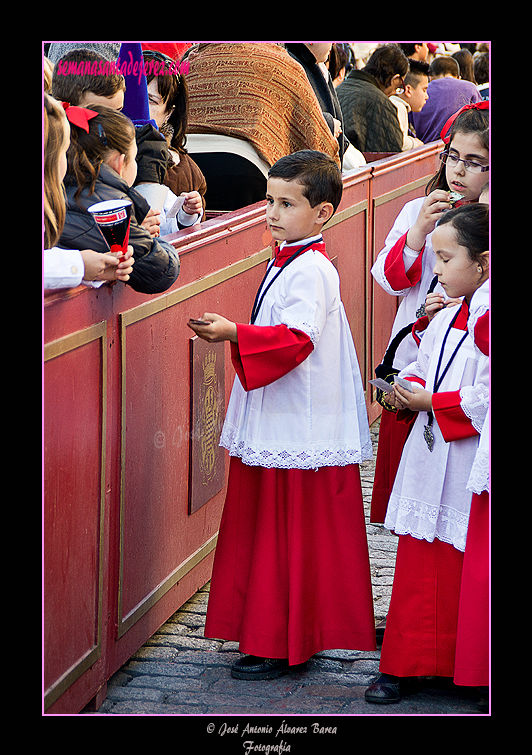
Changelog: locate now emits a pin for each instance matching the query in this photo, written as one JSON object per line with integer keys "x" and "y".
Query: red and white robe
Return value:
{"x": 291, "y": 574}
{"x": 430, "y": 504}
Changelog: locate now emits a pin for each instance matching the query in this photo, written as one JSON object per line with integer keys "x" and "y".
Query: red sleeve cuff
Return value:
{"x": 266, "y": 353}
{"x": 453, "y": 423}
{"x": 482, "y": 333}
{"x": 394, "y": 267}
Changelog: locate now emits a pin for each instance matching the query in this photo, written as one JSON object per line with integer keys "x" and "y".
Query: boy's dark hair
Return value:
{"x": 317, "y": 172}
{"x": 445, "y": 65}
{"x": 409, "y": 48}
{"x": 418, "y": 68}
{"x": 72, "y": 76}
{"x": 386, "y": 62}
{"x": 471, "y": 223}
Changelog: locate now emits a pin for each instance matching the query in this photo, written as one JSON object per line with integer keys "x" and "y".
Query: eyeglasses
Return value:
{"x": 469, "y": 165}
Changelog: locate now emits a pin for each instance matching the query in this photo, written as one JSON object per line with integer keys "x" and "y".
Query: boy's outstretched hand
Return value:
{"x": 214, "y": 328}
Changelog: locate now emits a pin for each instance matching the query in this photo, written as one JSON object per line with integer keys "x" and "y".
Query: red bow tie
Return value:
{"x": 281, "y": 255}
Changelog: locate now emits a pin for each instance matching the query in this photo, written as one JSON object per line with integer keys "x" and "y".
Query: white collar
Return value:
{"x": 310, "y": 239}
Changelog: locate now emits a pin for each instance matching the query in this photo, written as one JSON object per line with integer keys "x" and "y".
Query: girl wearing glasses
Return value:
{"x": 405, "y": 266}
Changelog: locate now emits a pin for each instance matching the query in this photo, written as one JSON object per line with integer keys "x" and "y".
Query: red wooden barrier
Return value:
{"x": 123, "y": 549}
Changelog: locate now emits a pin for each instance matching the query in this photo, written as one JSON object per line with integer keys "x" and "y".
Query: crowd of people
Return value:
{"x": 213, "y": 127}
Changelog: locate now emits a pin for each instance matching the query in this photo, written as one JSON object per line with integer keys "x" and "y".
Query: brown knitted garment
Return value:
{"x": 256, "y": 92}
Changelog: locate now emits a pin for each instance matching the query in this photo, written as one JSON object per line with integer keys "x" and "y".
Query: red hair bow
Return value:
{"x": 445, "y": 135}
{"x": 79, "y": 116}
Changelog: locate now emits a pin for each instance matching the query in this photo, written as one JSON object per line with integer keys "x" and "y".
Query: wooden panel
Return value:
{"x": 74, "y": 460}
{"x": 157, "y": 534}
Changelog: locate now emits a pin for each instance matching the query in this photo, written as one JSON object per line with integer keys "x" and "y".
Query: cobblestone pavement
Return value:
{"x": 180, "y": 672}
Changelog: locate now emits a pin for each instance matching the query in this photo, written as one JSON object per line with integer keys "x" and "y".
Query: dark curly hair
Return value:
{"x": 386, "y": 62}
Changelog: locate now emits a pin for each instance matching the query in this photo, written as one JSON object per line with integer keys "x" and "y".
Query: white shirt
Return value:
{"x": 64, "y": 268}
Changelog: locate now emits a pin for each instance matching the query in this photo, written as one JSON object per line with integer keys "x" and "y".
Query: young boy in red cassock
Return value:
{"x": 291, "y": 574}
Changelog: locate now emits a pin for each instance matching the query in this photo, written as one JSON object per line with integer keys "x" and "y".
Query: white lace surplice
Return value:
{"x": 430, "y": 498}
{"x": 315, "y": 415}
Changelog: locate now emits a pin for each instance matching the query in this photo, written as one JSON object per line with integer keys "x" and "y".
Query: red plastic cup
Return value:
{"x": 114, "y": 218}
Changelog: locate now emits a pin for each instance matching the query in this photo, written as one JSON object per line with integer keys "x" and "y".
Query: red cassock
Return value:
{"x": 291, "y": 574}
{"x": 472, "y": 666}
{"x": 392, "y": 438}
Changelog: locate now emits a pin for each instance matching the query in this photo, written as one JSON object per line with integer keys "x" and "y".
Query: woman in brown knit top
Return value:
{"x": 249, "y": 105}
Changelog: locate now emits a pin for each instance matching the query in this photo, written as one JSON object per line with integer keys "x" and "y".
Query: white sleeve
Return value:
{"x": 404, "y": 221}
{"x": 62, "y": 268}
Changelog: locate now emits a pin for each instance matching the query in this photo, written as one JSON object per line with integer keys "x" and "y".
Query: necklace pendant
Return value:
{"x": 428, "y": 435}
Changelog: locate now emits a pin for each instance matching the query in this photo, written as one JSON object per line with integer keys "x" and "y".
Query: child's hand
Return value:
{"x": 435, "y": 302}
{"x": 418, "y": 401}
{"x": 125, "y": 267}
{"x": 107, "y": 267}
{"x": 99, "y": 267}
{"x": 218, "y": 328}
{"x": 391, "y": 398}
{"x": 152, "y": 222}
{"x": 192, "y": 204}
{"x": 431, "y": 211}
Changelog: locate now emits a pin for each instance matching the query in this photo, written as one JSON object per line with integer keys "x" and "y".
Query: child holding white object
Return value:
{"x": 430, "y": 504}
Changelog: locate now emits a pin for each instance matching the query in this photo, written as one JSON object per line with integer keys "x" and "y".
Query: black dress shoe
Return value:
{"x": 388, "y": 689}
{"x": 253, "y": 667}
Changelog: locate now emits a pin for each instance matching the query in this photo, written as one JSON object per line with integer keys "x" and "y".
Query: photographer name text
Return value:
{"x": 250, "y": 746}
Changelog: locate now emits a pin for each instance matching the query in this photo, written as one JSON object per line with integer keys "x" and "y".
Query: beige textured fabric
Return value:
{"x": 256, "y": 92}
